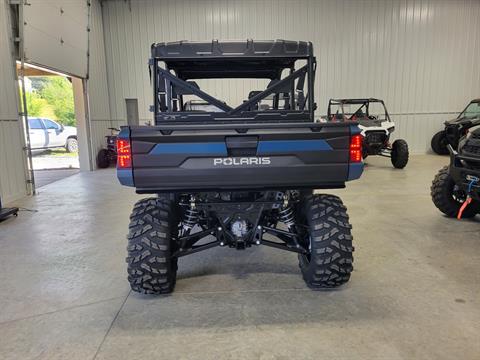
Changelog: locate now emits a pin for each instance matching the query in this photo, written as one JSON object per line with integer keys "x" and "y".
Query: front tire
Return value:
{"x": 439, "y": 143}
{"x": 151, "y": 268}
{"x": 72, "y": 145}
{"x": 448, "y": 198}
{"x": 399, "y": 154}
{"x": 329, "y": 263}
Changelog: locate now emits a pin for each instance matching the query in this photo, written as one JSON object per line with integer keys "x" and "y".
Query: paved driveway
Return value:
{"x": 45, "y": 177}
{"x": 55, "y": 159}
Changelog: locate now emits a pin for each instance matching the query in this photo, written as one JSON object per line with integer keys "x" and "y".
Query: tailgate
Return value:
{"x": 180, "y": 158}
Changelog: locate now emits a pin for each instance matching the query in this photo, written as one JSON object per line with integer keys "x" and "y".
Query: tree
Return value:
{"x": 35, "y": 104}
{"x": 39, "y": 82}
{"x": 59, "y": 94}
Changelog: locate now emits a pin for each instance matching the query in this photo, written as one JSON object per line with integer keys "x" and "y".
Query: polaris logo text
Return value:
{"x": 230, "y": 161}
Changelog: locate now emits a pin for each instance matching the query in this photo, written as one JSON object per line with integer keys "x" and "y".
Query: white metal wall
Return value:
{"x": 419, "y": 56}
{"x": 12, "y": 157}
{"x": 97, "y": 83}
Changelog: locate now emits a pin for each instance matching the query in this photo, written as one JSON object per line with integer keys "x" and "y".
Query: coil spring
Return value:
{"x": 191, "y": 218}
{"x": 286, "y": 216}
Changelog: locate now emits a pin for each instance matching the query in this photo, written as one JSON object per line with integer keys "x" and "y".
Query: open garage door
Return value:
{"x": 55, "y": 35}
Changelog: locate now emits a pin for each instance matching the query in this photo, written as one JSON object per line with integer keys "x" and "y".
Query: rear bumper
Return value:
{"x": 282, "y": 177}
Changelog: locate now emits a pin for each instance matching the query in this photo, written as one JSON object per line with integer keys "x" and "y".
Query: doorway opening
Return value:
{"x": 52, "y": 124}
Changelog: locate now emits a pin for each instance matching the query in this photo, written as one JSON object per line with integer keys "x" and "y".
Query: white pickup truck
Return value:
{"x": 46, "y": 134}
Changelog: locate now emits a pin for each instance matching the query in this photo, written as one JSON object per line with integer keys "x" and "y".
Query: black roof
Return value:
{"x": 223, "y": 59}
{"x": 232, "y": 49}
{"x": 355, "y": 101}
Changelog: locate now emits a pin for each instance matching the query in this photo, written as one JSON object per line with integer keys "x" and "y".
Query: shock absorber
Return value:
{"x": 286, "y": 216}
{"x": 191, "y": 216}
{"x": 190, "y": 219}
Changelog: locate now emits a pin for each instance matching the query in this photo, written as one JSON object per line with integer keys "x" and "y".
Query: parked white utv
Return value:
{"x": 376, "y": 127}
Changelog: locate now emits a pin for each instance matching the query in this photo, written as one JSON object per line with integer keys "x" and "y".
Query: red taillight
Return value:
{"x": 124, "y": 154}
{"x": 356, "y": 148}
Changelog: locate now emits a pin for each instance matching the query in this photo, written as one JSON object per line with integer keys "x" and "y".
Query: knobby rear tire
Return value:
{"x": 331, "y": 252}
{"x": 151, "y": 268}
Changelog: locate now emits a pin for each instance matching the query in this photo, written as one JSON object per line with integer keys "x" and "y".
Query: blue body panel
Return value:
{"x": 125, "y": 176}
{"x": 220, "y": 149}
{"x": 354, "y": 130}
{"x": 206, "y": 148}
{"x": 355, "y": 171}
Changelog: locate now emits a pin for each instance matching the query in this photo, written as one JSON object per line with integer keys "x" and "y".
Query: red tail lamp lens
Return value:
{"x": 124, "y": 154}
{"x": 356, "y": 148}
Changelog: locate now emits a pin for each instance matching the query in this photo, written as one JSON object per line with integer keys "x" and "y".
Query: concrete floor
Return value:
{"x": 414, "y": 293}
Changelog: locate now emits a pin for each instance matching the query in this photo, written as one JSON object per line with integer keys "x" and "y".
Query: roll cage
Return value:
{"x": 362, "y": 111}
{"x": 174, "y": 67}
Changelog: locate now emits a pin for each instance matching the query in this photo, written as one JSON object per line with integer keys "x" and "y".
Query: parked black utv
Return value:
{"x": 237, "y": 175}
{"x": 456, "y": 188}
{"x": 456, "y": 128}
{"x": 108, "y": 155}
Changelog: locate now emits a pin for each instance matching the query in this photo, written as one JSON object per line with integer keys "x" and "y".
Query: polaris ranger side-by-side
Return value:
{"x": 237, "y": 175}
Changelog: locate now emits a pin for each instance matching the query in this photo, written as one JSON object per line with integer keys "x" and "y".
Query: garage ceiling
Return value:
{"x": 56, "y": 35}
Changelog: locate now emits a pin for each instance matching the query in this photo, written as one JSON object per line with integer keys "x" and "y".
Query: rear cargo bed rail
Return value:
{"x": 239, "y": 127}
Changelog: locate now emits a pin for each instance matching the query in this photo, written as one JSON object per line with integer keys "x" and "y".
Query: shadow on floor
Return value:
{"x": 45, "y": 177}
